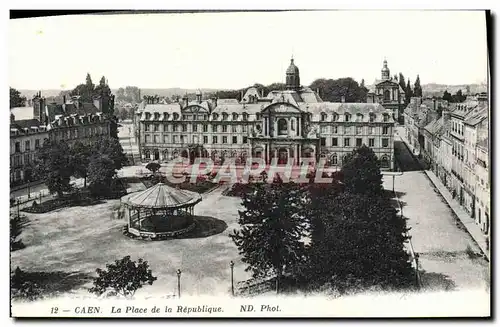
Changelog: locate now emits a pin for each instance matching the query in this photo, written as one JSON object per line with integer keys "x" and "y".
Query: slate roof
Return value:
{"x": 30, "y": 124}
{"x": 476, "y": 115}
{"x": 162, "y": 196}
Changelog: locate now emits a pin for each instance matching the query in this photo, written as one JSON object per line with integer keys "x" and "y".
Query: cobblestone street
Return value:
{"x": 447, "y": 260}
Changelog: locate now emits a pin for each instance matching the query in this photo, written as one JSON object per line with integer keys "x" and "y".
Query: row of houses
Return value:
{"x": 69, "y": 121}
{"x": 453, "y": 141}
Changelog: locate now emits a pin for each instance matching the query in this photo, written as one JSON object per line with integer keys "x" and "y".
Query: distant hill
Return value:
{"x": 431, "y": 89}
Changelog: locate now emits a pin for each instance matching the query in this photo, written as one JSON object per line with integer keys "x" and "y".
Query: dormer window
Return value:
{"x": 235, "y": 116}
{"x": 335, "y": 117}
{"x": 245, "y": 116}
{"x": 224, "y": 116}
{"x": 372, "y": 117}
{"x": 386, "y": 118}
{"x": 323, "y": 116}
{"x": 157, "y": 116}
{"x": 176, "y": 116}
{"x": 359, "y": 117}
{"x": 347, "y": 117}
{"x": 165, "y": 115}
{"x": 148, "y": 115}
{"x": 215, "y": 116}
{"x": 257, "y": 116}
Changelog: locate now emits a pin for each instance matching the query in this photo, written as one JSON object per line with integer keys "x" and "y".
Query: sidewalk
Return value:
{"x": 461, "y": 214}
{"x": 468, "y": 222}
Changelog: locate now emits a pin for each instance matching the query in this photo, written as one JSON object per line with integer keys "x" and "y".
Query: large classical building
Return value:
{"x": 388, "y": 92}
{"x": 284, "y": 124}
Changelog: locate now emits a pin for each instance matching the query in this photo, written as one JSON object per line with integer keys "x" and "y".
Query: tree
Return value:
{"x": 53, "y": 166}
{"x": 408, "y": 90}
{"x": 334, "y": 90}
{"x": 89, "y": 85}
{"x": 153, "y": 167}
{"x": 16, "y": 100}
{"x": 123, "y": 277}
{"x": 361, "y": 244}
{"x": 124, "y": 113}
{"x": 447, "y": 96}
{"x": 401, "y": 81}
{"x": 102, "y": 88}
{"x": 417, "y": 88}
{"x": 16, "y": 227}
{"x": 111, "y": 147}
{"x": 80, "y": 159}
{"x": 361, "y": 172}
{"x": 273, "y": 224}
{"x": 101, "y": 171}
{"x": 459, "y": 97}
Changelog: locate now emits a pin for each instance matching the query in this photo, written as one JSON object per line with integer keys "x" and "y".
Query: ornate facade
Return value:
{"x": 388, "y": 92}
{"x": 285, "y": 124}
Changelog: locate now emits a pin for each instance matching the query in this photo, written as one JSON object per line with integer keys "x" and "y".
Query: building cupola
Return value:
{"x": 385, "y": 71}
{"x": 292, "y": 77}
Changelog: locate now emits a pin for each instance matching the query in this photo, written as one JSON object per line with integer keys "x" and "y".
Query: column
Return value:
{"x": 299, "y": 153}
{"x": 152, "y": 155}
{"x": 287, "y": 155}
{"x": 275, "y": 124}
{"x": 299, "y": 126}
{"x": 289, "y": 124}
{"x": 263, "y": 124}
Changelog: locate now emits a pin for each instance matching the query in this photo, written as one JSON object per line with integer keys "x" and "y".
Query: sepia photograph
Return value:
{"x": 250, "y": 164}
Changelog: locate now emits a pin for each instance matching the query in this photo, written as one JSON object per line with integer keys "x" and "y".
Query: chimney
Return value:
{"x": 434, "y": 102}
{"x": 342, "y": 99}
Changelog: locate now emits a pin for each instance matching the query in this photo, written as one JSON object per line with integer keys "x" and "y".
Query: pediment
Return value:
{"x": 388, "y": 83}
{"x": 281, "y": 107}
{"x": 194, "y": 109}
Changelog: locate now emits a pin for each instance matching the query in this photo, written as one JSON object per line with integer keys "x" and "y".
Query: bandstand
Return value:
{"x": 160, "y": 212}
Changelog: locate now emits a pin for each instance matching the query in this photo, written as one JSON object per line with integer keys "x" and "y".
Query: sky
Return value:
{"x": 233, "y": 50}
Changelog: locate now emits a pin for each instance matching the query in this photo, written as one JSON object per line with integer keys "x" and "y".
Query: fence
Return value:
{"x": 41, "y": 196}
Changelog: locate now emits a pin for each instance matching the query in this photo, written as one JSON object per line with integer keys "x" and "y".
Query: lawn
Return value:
{"x": 72, "y": 242}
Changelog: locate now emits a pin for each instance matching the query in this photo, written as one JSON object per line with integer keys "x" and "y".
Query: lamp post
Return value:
{"x": 231, "y": 264}
{"x": 179, "y": 282}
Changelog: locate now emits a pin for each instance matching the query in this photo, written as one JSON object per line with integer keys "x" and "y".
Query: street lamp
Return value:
{"x": 179, "y": 282}
{"x": 231, "y": 264}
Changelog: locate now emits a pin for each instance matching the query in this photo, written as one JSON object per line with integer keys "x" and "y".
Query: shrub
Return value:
{"x": 22, "y": 287}
{"x": 123, "y": 277}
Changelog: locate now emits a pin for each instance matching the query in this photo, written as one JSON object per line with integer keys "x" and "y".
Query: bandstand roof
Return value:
{"x": 162, "y": 196}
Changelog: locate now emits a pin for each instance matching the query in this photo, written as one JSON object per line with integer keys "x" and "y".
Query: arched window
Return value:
{"x": 157, "y": 116}
{"x": 372, "y": 117}
{"x": 245, "y": 116}
{"x": 224, "y": 116}
{"x": 165, "y": 115}
{"x": 384, "y": 162}
{"x": 347, "y": 117}
{"x": 282, "y": 126}
{"x": 257, "y": 116}
{"x": 176, "y": 116}
{"x": 323, "y": 116}
{"x": 387, "y": 95}
{"x": 335, "y": 117}
{"x": 235, "y": 116}
{"x": 215, "y": 116}
{"x": 359, "y": 117}
{"x": 334, "y": 159}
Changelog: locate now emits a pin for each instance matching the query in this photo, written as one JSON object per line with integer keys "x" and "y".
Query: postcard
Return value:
{"x": 250, "y": 164}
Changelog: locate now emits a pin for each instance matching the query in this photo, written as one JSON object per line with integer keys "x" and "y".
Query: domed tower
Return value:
{"x": 292, "y": 77}
{"x": 385, "y": 71}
